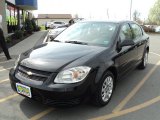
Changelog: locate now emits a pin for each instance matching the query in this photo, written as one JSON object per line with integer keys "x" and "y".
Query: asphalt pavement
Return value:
{"x": 136, "y": 97}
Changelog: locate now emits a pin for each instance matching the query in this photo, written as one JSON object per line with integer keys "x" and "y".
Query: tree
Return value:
{"x": 136, "y": 15}
{"x": 154, "y": 13}
{"x": 28, "y": 26}
{"x": 34, "y": 24}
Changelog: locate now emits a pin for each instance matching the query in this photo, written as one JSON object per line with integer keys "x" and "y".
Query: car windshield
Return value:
{"x": 96, "y": 33}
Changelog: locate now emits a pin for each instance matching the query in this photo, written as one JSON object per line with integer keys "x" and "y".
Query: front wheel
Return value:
{"x": 105, "y": 90}
{"x": 144, "y": 62}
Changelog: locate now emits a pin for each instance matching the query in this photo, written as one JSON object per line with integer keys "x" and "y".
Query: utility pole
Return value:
{"x": 107, "y": 13}
{"x": 131, "y": 10}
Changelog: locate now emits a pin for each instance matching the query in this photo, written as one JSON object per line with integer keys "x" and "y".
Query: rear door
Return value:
{"x": 139, "y": 39}
{"x": 127, "y": 55}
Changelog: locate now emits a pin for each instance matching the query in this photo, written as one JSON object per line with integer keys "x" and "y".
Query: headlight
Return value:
{"x": 16, "y": 62}
{"x": 72, "y": 75}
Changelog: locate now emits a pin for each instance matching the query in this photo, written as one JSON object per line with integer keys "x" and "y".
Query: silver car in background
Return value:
{"x": 53, "y": 33}
{"x": 57, "y": 24}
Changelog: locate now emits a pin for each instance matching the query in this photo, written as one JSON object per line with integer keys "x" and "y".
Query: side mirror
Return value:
{"x": 52, "y": 37}
{"x": 127, "y": 43}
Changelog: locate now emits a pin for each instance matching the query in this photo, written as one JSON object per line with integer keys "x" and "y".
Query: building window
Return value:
{"x": 11, "y": 18}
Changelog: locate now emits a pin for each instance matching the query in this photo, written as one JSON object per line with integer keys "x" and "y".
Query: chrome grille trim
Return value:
{"x": 36, "y": 75}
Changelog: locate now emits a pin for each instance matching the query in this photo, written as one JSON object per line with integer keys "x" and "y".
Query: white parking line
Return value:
{"x": 155, "y": 53}
{"x": 5, "y": 69}
{"x": 122, "y": 104}
{"x": 2, "y": 81}
{"x": 2, "y": 56}
{"x": 8, "y": 97}
{"x": 7, "y": 61}
{"x": 42, "y": 114}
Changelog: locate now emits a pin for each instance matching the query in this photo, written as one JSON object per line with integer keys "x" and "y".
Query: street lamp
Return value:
{"x": 130, "y": 9}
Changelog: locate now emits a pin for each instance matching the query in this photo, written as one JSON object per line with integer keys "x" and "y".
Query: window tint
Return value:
{"x": 137, "y": 32}
{"x": 125, "y": 33}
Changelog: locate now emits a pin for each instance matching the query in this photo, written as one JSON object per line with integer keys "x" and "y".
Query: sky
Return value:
{"x": 97, "y": 9}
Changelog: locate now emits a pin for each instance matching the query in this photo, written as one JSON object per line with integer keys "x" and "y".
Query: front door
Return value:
{"x": 126, "y": 57}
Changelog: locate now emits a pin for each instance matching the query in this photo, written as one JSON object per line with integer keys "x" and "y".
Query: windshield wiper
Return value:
{"x": 76, "y": 42}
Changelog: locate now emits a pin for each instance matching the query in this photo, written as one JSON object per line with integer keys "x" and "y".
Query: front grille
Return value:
{"x": 49, "y": 99}
{"x": 35, "y": 75}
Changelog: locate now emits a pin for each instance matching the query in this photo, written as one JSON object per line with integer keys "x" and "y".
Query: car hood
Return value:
{"x": 54, "y": 56}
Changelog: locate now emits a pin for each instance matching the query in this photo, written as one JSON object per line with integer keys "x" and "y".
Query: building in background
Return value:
{"x": 43, "y": 18}
{"x": 14, "y": 13}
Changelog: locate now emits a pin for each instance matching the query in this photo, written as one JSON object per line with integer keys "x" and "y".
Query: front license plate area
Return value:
{"x": 24, "y": 90}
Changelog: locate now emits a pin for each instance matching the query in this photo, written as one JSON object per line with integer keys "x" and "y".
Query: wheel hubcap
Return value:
{"x": 107, "y": 88}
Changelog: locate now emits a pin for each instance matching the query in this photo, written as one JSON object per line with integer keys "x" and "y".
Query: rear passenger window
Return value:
{"x": 137, "y": 31}
{"x": 125, "y": 33}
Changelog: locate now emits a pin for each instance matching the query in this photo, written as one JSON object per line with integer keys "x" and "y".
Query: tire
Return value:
{"x": 100, "y": 97}
{"x": 144, "y": 62}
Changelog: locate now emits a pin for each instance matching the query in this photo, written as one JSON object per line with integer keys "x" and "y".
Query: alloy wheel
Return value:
{"x": 107, "y": 88}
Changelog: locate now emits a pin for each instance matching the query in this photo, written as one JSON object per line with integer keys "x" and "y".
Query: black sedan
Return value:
{"x": 84, "y": 60}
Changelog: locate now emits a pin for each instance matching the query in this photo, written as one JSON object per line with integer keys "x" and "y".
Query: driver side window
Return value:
{"x": 125, "y": 33}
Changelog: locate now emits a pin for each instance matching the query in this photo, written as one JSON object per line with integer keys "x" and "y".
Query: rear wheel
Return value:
{"x": 144, "y": 62}
{"x": 105, "y": 90}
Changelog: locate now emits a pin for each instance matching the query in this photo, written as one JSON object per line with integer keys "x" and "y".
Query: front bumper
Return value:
{"x": 50, "y": 93}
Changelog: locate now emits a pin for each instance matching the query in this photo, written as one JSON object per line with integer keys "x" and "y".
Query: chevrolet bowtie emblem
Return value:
{"x": 29, "y": 73}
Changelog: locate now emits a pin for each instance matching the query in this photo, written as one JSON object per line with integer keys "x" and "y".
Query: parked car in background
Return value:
{"x": 57, "y": 24}
{"x": 145, "y": 28}
{"x": 149, "y": 28}
{"x": 53, "y": 33}
{"x": 48, "y": 25}
{"x": 157, "y": 29}
{"x": 85, "y": 60}
{"x": 78, "y": 19}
